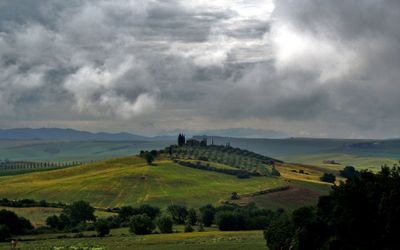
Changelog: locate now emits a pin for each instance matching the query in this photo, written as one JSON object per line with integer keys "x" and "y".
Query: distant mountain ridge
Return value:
{"x": 72, "y": 135}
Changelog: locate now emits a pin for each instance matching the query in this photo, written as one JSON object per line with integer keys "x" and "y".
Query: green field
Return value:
{"x": 130, "y": 181}
{"x": 121, "y": 239}
{"x": 372, "y": 163}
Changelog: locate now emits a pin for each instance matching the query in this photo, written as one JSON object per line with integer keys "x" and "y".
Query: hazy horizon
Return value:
{"x": 245, "y": 133}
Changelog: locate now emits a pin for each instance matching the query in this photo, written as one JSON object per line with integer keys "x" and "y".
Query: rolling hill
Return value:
{"x": 72, "y": 135}
{"x": 49, "y": 150}
{"x": 130, "y": 181}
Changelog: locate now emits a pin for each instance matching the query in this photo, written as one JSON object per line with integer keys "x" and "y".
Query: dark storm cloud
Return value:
{"x": 365, "y": 36}
{"x": 303, "y": 67}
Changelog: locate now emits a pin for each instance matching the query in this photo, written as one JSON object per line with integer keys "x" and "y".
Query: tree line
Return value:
{"x": 30, "y": 203}
{"x": 31, "y": 165}
{"x": 145, "y": 219}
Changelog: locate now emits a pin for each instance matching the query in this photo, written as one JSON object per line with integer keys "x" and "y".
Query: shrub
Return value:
{"x": 203, "y": 158}
{"x": 207, "y": 214}
{"x": 328, "y": 177}
{"x": 349, "y": 172}
{"x": 80, "y": 227}
{"x": 188, "y": 228}
{"x": 259, "y": 222}
{"x": 78, "y": 235}
{"x": 226, "y": 220}
{"x": 149, "y": 158}
{"x": 102, "y": 228}
{"x": 150, "y": 211}
{"x": 201, "y": 228}
{"x": 243, "y": 175}
{"x": 278, "y": 235}
{"x": 53, "y": 222}
{"x": 165, "y": 223}
{"x": 114, "y": 222}
{"x": 79, "y": 211}
{"x": 234, "y": 196}
{"x": 16, "y": 225}
{"x": 4, "y": 233}
{"x": 275, "y": 172}
{"x": 141, "y": 224}
{"x": 124, "y": 213}
{"x": 178, "y": 213}
{"x": 64, "y": 221}
{"x": 192, "y": 216}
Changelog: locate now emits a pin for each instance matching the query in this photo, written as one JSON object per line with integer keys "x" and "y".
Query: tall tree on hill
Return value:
{"x": 149, "y": 158}
{"x": 181, "y": 140}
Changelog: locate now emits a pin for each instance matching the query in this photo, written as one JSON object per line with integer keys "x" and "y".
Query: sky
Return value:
{"x": 302, "y": 68}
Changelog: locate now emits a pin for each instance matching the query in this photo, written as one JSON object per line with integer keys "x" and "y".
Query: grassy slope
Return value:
{"x": 122, "y": 239}
{"x": 130, "y": 181}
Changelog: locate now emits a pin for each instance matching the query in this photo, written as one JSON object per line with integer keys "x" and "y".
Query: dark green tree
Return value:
{"x": 181, "y": 140}
{"x": 226, "y": 220}
{"x": 16, "y": 225}
{"x": 274, "y": 171}
{"x": 165, "y": 224}
{"x": 188, "y": 228}
{"x": 4, "y": 233}
{"x": 192, "y": 216}
{"x": 149, "y": 158}
{"x": 349, "y": 172}
{"x": 125, "y": 212}
{"x": 280, "y": 233}
{"x": 79, "y": 211}
{"x": 207, "y": 213}
{"x": 53, "y": 222}
{"x": 141, "y": 224}
{"x": 178, "y": 213}
{"x": 150, "y": 211}
{"x": 328, "y": 177}
{"x": 102, "y": 228}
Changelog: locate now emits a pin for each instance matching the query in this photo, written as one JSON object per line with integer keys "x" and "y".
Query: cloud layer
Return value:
{"x": 301, "y": 67}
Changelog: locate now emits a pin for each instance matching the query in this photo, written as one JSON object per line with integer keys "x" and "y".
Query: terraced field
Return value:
{"x": 130, "y": 181}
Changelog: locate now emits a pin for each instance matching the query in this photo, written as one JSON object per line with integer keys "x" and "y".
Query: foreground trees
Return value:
{"x": 141, "y": 224}
{"x": 12, "y": 224}
{"x": 363, "y": 213}
{"x": 102, "y": 228}
{"x": 77, "y": 213}
{"x": 165, "y": 224}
